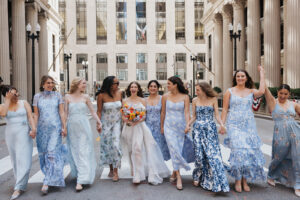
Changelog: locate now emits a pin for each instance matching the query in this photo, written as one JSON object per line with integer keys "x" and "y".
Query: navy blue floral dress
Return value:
{"x": 153, "y": 122}
{"x": 209, "y": 169}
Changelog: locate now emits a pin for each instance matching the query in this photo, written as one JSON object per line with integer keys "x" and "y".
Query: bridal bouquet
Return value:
{"x": 132, "y": 114}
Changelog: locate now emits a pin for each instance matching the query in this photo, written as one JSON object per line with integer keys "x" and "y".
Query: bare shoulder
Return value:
{"x": 142, "y": 100}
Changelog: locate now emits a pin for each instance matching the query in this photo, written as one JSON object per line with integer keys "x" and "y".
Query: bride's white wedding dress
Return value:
{"x": 144, "y": 153}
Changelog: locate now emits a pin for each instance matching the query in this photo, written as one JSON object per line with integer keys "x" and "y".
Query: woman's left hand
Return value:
{"x": 99, "y": 127}
{"x": 187, "y": 129}
{"x": 32, "y": 133}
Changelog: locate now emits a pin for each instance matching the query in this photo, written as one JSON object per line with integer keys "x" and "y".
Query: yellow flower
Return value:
{"x": 132, "y": 116}
{"x": 98, "y": 139}
{"x": 142, "y": 114}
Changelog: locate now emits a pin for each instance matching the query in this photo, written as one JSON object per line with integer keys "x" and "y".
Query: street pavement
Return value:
{"x": 104, "y": 188}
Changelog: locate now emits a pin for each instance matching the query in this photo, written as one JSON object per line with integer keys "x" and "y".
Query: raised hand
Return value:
{"x": 9, "y": 95}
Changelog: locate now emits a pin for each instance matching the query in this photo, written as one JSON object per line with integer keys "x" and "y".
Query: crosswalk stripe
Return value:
{"x": 39, "y": 176}
{"x": 5, "y": 163}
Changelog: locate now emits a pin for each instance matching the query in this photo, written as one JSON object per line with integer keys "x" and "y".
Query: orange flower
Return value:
{"x": 125, "y": 105}
{"x": 142, "y": 114}
{"x": 121, "y": 110}
{"x": 137, "y": 112}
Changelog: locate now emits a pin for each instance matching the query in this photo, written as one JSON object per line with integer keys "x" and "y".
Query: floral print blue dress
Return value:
{"x": 110, "y": 145}
{"x": 209, "y": 170}
{"x": 153, "y": 122}
{"x": 49, "y": 140}
{"x": 285, "y": 164}
{"x": 246, "y": 158}
{"x": 174, "y": 132}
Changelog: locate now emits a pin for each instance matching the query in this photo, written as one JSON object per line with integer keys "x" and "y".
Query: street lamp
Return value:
{"x": 68, "y": 57}
{"x": 85, "y": 64}
{"x": 194, "y": 58}
{"x": 32, "y": 36}
{"x": 234, "y": 36}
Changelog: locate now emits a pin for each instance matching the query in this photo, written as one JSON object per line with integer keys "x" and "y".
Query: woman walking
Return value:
{"x": 153, "y": 110}
{"x": 109, "y": 102}
{"x": 18, "y": 135}
{"x": 209, "y": 171}
{"x": 145, "y": 156}
{"x": 175, "y": 124}
{"x": 49, "y": 117}
{"x": 246, "y": 158}
{"x": 80, "y": 135}
{"x": 285, "y": 165}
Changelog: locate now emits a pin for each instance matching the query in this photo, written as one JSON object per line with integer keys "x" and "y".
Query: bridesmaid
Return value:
{"x": 175, "y": 124}
{"x": 153, "y": 109}
{"x": 246, "y": 159}
{"x": 285, "y": 165}
{"x": 209, "y": 171}
{"x": 49, "y": 117}
{"x": 18, "y": 136}
{"x": 109, "y": 102}
{"x": 80, "y": 135}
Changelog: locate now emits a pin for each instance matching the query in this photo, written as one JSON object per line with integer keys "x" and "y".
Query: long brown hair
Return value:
{"x": 249, "y": 83}
{"x": 43, "y": 81}
{"x": 207, "y": 89}
{"x": 176, "y": 80}
{"x": 140, "y": 91}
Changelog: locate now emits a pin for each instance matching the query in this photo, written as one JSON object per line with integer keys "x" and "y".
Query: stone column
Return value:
{"x": 32, "y": 19}
{"x": 227, "y": 48}
{"x": 253, "y": 38}
{"x": 19, "y": 47}
{"x": 239, "y": 17}
{"x": 4, "y": 43}
{"x": 293, "y": 43}
{"x": 272, "y": 42}
{"x": 218, "y": 51}
{"x": 43, "y": 44}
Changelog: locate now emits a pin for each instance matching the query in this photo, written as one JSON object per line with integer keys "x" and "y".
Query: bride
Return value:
{"x": 145, "y": 156}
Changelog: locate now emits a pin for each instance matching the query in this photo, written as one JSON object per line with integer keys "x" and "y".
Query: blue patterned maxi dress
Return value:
{"x": 81, "y": 144}
{"x": 209, "y": 169}
{"x": 110, "y": 145}
{"x": 174, "y": 132}
{"x": 48, "y": 138}
{"x": 246, "y": 159}
{"x": 153, "y": 122}
{"x": 285, "y": 164}
{"x": 19, "y": 145}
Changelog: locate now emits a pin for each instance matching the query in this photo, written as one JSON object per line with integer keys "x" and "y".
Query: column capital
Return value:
{"x": 239, "y": 4}
{"x": 33, "y": 5}
{"x": 218, "y": 18}
{"x": 43, "y": 14}
{"x": 227, "y": 11}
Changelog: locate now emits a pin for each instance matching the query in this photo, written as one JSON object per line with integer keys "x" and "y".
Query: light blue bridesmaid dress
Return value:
{"x": 80, "y": 144}
{"x": 246, "y": 159}
{"x": 174, "y": 126}
{"x": 285, "y": 164}
{"x": 19, "y": 145}
{"x": 52, "y": 153}
{"x": 153, "y": 122}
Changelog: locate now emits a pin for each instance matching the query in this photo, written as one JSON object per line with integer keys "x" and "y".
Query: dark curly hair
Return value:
{"x": 154, "y": 81}
{"x": 284, "y": 86}
{"x": 249, "y": 83}
{"x": 6, "y": 88}
{"x": 106, "y": 85}
{"x": 139, "y": 93}
{"x": 176, "y": 80}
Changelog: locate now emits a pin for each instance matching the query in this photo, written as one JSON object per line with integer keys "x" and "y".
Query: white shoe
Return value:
{"x": 271, "y": 182}
{"x": 16, "y": 194}
{"x": 297, "y": 192}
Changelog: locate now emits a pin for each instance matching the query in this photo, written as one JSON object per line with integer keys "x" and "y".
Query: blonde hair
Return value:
{"x": 74, "y": 85}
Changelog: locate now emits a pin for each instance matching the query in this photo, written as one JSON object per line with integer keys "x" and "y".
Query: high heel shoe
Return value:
{"x": 115, "y": 177}
{"x": 238, "y": 188}
{"x": 172, "y": 179}
{"x": 179, "y": 185}
{"x": 78, "y": 188}
{"x": 45, "y": 190}
{"x": 196, "y": 183}
{"x": 271, "y": 182}
{"x": 16, "y": 194}
{"x": 297, "y": 193}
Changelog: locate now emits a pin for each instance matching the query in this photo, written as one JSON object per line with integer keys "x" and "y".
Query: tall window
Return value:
{"x": 141, "y": 66}
{"x": 80, "y": 70}
{"x": 161, "y": 66}
{"x": 62, "y": 13}
{"x": 122, "y": 66}
{"x": 199, "y": 28}
{"x": 141, "y": 25}
{"x": 121, "y": 26}
{"x": 262, "y": 51}
{"x": 81, "y": 22}
{"x": 101, "y": 21}
{"x": 53, "y": 52}
{"x": 200, "y": 68}
{"x": 179, "y": 21}
{"x": 101, "y": 68}
{"x": 180, "y": 65}
{"x": 160, "y": 14}
{"x": 209, "y": 53}
{"x": 281, "y": 25}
